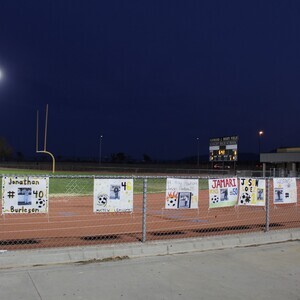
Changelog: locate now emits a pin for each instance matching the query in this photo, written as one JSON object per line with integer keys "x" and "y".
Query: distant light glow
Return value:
{"x": 1, "y": 74}
{"x": 261, "y": 132}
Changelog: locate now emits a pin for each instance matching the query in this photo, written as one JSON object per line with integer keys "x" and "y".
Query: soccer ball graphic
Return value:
{"x": 245, "y": 198}
{"x": 102, "y": 200}
{"x": 215, "y": 199}
{"x": 40, "y": 203}
{"x": 172, "y": 202}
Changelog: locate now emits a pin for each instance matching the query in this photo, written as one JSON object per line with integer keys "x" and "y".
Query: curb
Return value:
{"x": 41, "y": 257}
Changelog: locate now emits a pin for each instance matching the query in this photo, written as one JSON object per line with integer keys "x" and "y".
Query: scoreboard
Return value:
{"x": 223, "y": 148}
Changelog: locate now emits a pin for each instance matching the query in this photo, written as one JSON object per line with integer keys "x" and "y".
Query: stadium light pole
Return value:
{"x": 260, "y": 133}
{"x": 197, "y": 152}
{"x": 100, "y": 148}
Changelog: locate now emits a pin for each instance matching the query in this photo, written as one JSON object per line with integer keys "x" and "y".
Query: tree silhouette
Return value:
{"x": 146, "y": 158}
{"x": 119, "y": 157}
{"x": 6, "y": 151}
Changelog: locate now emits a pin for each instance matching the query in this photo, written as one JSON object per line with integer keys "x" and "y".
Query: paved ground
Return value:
{"x": 262, "y": 272}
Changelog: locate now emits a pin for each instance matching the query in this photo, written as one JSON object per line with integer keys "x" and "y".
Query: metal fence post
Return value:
{"x": 144, "y": 210}
{"x": 267, "y": 227}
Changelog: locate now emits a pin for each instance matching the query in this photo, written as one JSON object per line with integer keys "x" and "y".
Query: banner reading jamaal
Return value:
{"x": 285, "y": 190}
{"x": 181, "y": 193}
{"x": 223, "y": 192}
{"x": 252, "y": 191}
{"x": 25, "y": 195}
{"x": 113, "y": 195}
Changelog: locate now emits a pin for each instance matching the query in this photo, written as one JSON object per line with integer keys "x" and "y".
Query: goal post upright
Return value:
{"x": 46, "y": 128}
{"x": 45, "y": 138}
{"x": 37, "y": 132}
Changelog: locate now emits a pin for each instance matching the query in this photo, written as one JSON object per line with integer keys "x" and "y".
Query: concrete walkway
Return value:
{"x": 27, "y": 258}
{"x": 260, "y": 272}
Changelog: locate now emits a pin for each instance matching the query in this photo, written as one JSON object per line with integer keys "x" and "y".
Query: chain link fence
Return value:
{"x": 71, "y": 219}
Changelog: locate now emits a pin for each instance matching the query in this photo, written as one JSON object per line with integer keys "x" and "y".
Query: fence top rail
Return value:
{"x": 136, "y": 176}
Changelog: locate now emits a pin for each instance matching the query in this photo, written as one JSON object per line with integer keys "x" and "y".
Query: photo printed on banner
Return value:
{"x": 113, "y": 195}
{"x": 285, "y": 190}
{"x": 21, "y": 194}
{"x": 252, "y": 192}
{"x": 223, "y": 192}
{"x": 181, "y": 193}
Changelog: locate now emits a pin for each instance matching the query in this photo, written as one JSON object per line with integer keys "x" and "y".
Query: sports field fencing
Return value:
{"x": 71, "y": 220}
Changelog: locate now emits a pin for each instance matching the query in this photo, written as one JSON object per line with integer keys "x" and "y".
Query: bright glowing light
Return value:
{"x": 261, "y": 132}
{"x": 1, "y": 74}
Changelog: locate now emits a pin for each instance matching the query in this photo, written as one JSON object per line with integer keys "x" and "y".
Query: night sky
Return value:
{"x": 150, "y": 76}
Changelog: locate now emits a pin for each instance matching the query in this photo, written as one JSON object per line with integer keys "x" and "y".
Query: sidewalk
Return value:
{"x": 27, "y": 258}
{"x": 270, "y": 271}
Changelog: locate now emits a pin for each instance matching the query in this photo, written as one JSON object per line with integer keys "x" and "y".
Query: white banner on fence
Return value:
{"x": 113, "y": 195}
{"x": 22, "y": 194}
{"x": 252, "y": 192}
{"x": 223, "y": 192}
{"x": 285, "y": 190}
{"x": 181, "y": 193}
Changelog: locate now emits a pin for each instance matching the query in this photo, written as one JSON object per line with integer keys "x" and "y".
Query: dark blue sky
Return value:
{"x": 151, "y": 76}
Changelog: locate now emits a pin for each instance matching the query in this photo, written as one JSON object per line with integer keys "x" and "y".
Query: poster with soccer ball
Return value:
{"x": 285, "y": 190}
{"x": 223, "y": 192}
{"x": 181, "y": 193}
{"x": 252, "y": 192}
{"x": 25, "y": 195}
{"x": 113, "y": 195}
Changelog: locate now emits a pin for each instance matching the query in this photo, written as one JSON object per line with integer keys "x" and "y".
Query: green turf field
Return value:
{"x": 79, "y": 183}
